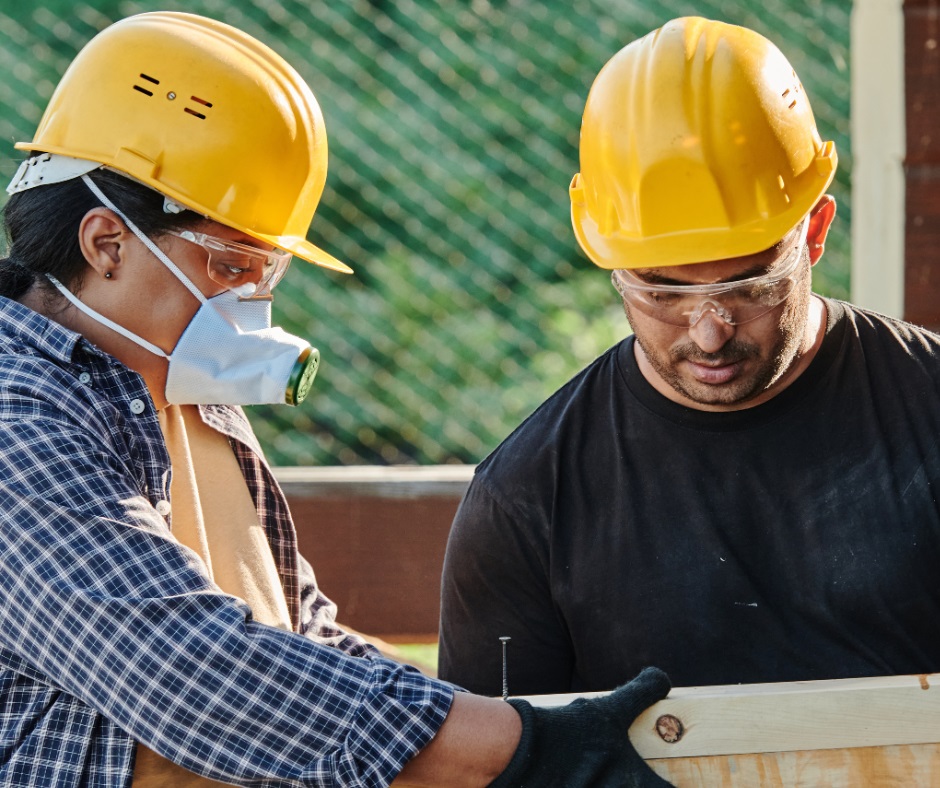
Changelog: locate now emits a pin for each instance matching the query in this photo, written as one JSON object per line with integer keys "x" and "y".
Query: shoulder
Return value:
{"x": 36, "y": 362}
{"x": 35, "y": 386}
{"x": 550, "y": 436}
{"x": 888, "y": 336}
{"x": 55, "y": 381}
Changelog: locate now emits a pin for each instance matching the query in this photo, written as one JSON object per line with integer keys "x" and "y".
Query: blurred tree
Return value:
{"x": 453, "y": 131}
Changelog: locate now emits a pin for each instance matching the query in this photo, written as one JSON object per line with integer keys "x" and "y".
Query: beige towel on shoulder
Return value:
{"x": 213, "y": 514}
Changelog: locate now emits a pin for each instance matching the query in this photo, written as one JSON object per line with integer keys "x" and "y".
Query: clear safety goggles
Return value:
{"x": 250, "y": 271}
{"x": 735, "y": 302}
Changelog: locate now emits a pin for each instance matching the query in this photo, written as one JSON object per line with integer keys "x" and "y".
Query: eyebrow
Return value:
{"x": 248, "y": 241}
{"x": 652, "y": 278}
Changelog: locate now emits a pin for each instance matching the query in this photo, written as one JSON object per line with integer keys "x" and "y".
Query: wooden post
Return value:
{"x": 878, "y": 145}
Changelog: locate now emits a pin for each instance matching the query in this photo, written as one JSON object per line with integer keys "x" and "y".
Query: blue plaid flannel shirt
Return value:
{"x": 111, "y": 633}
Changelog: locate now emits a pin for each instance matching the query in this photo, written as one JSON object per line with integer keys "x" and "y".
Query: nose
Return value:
{"x": 711, "y": 331}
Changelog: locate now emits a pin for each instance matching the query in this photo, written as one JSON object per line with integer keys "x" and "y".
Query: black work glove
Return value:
{"x": 585, "y": 744}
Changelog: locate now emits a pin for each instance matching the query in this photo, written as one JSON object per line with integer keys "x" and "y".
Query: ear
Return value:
{"x": 820, "y": 218}
{"x": 102, "y": 239}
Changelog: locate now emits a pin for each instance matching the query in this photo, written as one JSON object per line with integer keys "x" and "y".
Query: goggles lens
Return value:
{"x": 252, "y": 271}
{"x": 736, "y": 302}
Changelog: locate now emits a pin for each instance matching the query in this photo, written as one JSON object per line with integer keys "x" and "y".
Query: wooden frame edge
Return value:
{"x": 784, "y": 717}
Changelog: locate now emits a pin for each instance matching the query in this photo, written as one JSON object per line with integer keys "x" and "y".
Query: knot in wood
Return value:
{"x": 669, "y": 728}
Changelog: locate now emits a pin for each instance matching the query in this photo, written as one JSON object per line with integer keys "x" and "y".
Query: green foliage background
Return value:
{"x": 453, "y": 131}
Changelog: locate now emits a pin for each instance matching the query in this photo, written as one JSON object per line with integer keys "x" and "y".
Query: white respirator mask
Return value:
{"x": 229, "y": 353}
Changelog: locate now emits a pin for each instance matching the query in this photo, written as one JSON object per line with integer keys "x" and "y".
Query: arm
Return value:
{"x": 102, "y": 601}
{"x": 472, "y": 748}
{"x": 496, "y": 583}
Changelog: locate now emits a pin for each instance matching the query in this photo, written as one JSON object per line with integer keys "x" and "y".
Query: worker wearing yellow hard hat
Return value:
{"x": 158, "y": 624}
{"x": 741, "y": 490}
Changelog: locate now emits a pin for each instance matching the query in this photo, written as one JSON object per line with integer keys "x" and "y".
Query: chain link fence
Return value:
{"x": 453, "y": 131}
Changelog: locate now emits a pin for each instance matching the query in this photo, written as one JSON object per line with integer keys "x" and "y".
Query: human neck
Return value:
{"x": 152, "y": 368}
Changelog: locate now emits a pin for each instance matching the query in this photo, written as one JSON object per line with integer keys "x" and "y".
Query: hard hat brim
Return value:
{"x": 305, "y": 250}
{"x": 55, "y": 167}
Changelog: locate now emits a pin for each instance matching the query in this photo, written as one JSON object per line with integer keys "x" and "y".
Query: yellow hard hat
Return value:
{"x": 203, "y": 113}
{"x": 697, "y": 144}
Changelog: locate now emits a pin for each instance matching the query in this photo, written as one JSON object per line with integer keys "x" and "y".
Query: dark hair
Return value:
{"x": 41, "y": 226}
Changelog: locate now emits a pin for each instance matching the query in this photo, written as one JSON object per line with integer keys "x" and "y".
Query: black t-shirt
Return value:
{"x": 795, "y": 540}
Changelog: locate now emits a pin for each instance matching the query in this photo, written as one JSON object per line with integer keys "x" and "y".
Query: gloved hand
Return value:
{"x": 585, "y": 744}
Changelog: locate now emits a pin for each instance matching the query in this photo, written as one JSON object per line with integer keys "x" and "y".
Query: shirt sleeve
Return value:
{"x": 496, "y": 584}
{"x": 100, "y": 600}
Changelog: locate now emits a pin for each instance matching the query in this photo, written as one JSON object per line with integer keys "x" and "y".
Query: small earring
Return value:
{"x": 108, "y": 275}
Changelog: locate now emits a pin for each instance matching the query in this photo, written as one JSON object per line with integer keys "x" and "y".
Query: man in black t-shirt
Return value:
{"x": 744, "y": 490}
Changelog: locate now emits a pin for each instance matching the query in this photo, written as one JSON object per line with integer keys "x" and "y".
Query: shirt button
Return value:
{"x": 84, "y": 378}
{"x": 163, "y": 508}
{"x": 137, "y": 406}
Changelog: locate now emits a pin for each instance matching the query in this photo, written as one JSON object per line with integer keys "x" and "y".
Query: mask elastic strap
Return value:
{"x": 158, "y": 252}
{"x": 106, "y": 321}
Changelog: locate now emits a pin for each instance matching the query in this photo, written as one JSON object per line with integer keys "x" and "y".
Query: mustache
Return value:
{"x": 732, "y": 352}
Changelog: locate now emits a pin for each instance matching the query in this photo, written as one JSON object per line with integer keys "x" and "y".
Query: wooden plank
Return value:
{"x": 882, "y": 731}
{"x": 802, "y": 715}
{"x": 896, "y": 766}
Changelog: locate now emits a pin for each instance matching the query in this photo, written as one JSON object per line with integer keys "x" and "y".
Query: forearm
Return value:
{"x": 585, "y": 744}
{"x": 471, "y": 749}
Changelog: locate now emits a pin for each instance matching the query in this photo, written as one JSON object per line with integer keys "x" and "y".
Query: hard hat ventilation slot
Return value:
{"x": 198, "y": 100}
{"x": 144, "y": 90}
{"x": 795, "y": 90}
